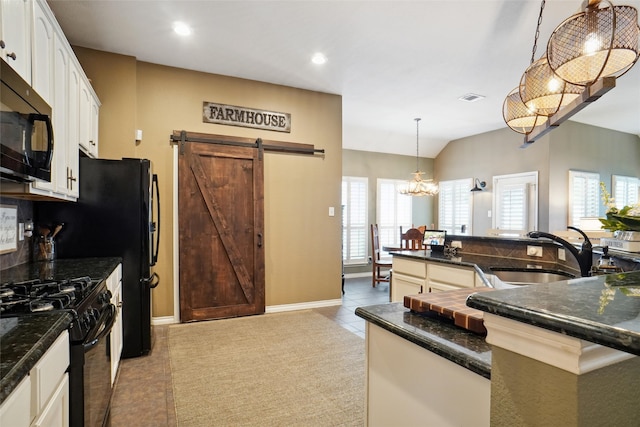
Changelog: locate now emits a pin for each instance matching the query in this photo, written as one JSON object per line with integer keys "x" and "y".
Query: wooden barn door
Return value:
{"x": 221, "y": 221}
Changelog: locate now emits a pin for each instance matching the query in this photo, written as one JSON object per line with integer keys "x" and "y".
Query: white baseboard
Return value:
{"x": 356, "y": 275}
{"x": 302, "y": 306}
{"x": 164, "y": 320}
{"x": 170, "y": 320}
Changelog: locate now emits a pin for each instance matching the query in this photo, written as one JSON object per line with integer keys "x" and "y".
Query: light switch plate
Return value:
{"x": 332, "y": 211}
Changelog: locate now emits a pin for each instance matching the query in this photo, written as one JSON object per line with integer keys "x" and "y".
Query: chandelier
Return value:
{"x": 418, "y": 186}
{"x": 601, "y": 42}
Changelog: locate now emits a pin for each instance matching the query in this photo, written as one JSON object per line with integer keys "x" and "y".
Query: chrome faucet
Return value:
{"x": 584, "y": 256}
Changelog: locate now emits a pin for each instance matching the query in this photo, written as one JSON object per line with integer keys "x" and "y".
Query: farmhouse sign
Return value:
{"x": 245, "y": 117}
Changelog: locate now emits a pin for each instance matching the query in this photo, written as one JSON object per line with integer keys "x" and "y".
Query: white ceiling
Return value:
{"x": 391, "y": 61}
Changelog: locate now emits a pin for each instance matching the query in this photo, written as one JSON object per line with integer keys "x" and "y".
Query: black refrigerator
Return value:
{"x": 117, "y": 214}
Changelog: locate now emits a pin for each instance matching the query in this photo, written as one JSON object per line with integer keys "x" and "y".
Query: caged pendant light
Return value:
{"x": 601, "y": 41}
{"x": 543, "y": 92}
{"x": 419, "y": 186}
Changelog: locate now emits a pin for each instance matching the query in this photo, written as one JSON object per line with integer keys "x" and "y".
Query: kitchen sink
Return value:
{"x": 529, "y": 276}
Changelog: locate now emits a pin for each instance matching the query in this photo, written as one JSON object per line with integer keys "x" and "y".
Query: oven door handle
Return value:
{"x": 105, "y": 324}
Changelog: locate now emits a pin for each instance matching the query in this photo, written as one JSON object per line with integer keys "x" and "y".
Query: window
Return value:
{"x": 584, "y": 197}
{"x": 354, "y": 219}
{"x": 626, "y": 190}
{"x": 394, "y": 211}
{"x": 515, "y": 202}
{"x": 454, "y": 206}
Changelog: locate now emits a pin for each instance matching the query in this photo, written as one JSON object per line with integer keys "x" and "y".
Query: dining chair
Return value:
{"x": 411, "y": 239}
{"x": 377, "y": 263}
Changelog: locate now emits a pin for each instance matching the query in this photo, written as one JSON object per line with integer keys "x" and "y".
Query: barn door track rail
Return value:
{"x": 182, "y": 136}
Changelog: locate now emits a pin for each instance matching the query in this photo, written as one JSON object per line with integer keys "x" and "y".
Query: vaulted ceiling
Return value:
{"x": 391, "y": 61}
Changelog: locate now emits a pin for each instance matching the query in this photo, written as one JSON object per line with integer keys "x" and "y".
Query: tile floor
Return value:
{"x": 143, "y": 395}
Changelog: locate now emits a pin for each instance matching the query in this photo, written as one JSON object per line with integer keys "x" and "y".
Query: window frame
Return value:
{"x": 629, "y": 182}
{"x": 348, "y": 227}
{"x": 589, "y": 203}
{"x": 460, "y": 190}
{"x": 389, "y": 230}
{"x": 530, "y": 182}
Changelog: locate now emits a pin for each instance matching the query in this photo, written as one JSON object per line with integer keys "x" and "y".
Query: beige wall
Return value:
{"x": 302, "y": 243}
{"x": 572, "y": 146}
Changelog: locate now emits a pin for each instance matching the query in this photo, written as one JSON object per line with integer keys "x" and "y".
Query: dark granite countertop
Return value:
{"x": 437, "y": 335}
{"x": 60, "y": 269}
{"x": 24, "y": 339}
{"x": 601, "y": 309}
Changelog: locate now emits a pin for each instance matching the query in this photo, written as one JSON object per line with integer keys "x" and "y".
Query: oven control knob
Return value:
{"x": 104, "y": 297}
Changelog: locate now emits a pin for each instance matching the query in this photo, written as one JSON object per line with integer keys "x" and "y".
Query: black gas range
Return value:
{"x": 89, "y": 302}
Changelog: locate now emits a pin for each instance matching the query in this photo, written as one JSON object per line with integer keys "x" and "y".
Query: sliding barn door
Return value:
{"x": 221, "y": 209}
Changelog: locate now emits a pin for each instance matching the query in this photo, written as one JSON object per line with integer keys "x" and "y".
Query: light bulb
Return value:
{"x": 553, "y": 85}
{"x": 592, "y": 44}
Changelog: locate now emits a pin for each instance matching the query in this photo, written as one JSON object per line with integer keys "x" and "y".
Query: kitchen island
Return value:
{"x": 560, "y": 351}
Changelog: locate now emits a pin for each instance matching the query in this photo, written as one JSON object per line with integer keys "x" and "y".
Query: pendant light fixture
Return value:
{"x": 543, "y": 92}
{"x": 418, "y": 186}
{"x": 601, "y": 41}
{"x": 585, "y": 54}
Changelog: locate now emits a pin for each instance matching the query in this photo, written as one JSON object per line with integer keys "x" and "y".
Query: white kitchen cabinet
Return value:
{"x": 408, "y": 278}
{"x": 89, "y": 110}
{"x": 414, "y": 276}
{"x": 56, "y": 411}
{"x": 16, "y": 409}
{"x": 59, "y": 79}
{"x": 444, "y": 278}
{"x": 42, "y": 52}
{"x": 42, "y": 398}
{"x": 15, "y": 34}
{"x": 408, "y": 385}
{"x": 114, "y": 284}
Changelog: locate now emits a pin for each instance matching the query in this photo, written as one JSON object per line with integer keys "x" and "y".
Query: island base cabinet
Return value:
{"x": 404, "y": 285}
{"x": 407, "y": 385}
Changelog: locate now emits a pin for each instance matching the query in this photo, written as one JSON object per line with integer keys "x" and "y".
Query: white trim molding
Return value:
{"x": 568, "y": 353}
{"x": 302, "y": 305}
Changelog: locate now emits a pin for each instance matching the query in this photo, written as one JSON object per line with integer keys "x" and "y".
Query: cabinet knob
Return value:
{"x": 12, "y": 55}
{"x": 2, "y": 45}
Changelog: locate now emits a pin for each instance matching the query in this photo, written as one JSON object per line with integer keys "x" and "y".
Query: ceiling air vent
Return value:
{"x": 471, "y": 97}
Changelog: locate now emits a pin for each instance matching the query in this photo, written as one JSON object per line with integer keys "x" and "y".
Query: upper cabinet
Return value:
{"x": 55, "y": 73}
{"x": 15, "y": 35}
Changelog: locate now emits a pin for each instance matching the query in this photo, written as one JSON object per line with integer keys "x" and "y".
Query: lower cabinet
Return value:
{"x": 114, "y": 284}
{"x": 42, "y": 398}
{"x": 415, "y": 276}
{"x": 408, "y": 385}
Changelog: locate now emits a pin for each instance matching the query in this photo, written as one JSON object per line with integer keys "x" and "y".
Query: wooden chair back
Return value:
{"x": 412, "y": 239}
{"x": 376, "y": 263}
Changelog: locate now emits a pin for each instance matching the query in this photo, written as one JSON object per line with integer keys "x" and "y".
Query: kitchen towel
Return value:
{"x": 295, "y": 368}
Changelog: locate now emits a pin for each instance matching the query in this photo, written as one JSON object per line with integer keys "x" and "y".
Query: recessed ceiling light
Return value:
{"x": 181, "y": 28}
{"x": 471, "y": 97}
{"x": 318, "y": 58}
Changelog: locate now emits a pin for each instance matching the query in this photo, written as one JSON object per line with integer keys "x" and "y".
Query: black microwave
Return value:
{"x": 26, "y": 134}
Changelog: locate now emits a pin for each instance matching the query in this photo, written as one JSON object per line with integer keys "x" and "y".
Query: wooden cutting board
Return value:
{"x": 451, "y": 305}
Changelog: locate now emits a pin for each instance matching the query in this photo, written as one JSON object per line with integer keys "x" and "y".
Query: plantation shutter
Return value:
{"x": 354, "y": 219}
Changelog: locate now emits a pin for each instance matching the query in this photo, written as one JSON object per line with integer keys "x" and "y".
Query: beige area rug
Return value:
{"x": 283, "y": 369}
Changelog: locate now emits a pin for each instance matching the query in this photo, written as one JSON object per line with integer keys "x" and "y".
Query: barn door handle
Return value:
{"x": 259, "y": 240}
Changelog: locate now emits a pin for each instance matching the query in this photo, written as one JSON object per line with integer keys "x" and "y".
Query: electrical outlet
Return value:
{"x": 456, "y": 244}
{"x": 562, "y": 255}
{"x": 534, "y": 251}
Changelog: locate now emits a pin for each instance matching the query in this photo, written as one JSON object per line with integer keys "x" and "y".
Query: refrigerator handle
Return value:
{"x": 157, "y": 228}
{"x": 152, "y": 281}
